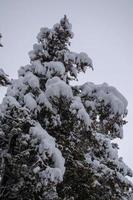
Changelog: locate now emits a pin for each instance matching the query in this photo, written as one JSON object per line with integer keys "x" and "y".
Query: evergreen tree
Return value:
{"x": 58, "y": 139}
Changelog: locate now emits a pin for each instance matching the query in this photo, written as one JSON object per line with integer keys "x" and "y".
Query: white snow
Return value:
{"x": 38, "y": 67}
{"x": 30, "y": 102}
{"x": 110, "y": 151}
{"x": 77, "y": 105}
{"x": 32, "y": 80}
{"x": 108, "y": 158}
{"x": 80, "y": 59}
{"x": 32, "y": 55}
{"x": 24, "y": 69}
{"x": 41, "y": 98}
{"x": 47, "y": 148}
{"x": 38, "y": 48}
{"x": 83, "y": 58}
{"x": 36, "y": 169}
{"x": 17, "y": 88}
{"x": 9, "y": 102}
{"x": 41, "y": 35}
{"x": 54, "y": 68}
{"x": 55, "y": 87}
{"x": 52, "y": 174}
{"x": 110, "y": 95}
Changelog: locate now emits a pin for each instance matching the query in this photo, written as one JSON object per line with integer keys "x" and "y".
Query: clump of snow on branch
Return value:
{"x": 108, "y": 94}
{"x": 9, "y": 102}
{"x": 77, "y": 107}
{"x": 107, "y": 105}
{"x": 4, "y": 78}
{"x": 47, "y": 148}
{"x": 56, "y": 87}
{"x": 30, "y": 102}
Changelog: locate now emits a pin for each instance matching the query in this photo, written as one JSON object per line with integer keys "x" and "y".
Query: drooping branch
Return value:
{"x": 0, "y": 40}
{"x": 3, "y": 76}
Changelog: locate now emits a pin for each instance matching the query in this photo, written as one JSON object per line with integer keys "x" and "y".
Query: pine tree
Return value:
{"x": 58, "y": 139}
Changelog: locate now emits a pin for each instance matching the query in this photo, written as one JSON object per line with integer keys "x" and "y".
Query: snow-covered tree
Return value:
{"x": 58, "y": 138}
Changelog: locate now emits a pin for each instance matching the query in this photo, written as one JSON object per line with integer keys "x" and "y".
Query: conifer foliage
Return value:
{"x": 57, "y": 139}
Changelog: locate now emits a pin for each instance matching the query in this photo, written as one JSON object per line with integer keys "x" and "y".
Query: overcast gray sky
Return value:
{"x": 103, "y": 29}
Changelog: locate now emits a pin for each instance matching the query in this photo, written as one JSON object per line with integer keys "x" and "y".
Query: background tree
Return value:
{"x": 58, "y": 138}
